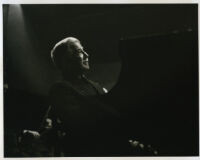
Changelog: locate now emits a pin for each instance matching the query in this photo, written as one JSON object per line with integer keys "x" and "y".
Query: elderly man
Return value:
{"x": 70, "y": 58}
{"x": 85, "y": 120}
{"x": 74, "y": 117}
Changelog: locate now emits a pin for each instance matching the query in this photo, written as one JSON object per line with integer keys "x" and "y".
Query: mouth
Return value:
{"x": 86, "y": 62}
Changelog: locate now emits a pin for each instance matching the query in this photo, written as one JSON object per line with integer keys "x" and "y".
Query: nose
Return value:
{"x": 85, "y": 54}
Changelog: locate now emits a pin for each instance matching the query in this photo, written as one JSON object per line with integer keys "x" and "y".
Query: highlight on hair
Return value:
{"x": 60, "y": 49}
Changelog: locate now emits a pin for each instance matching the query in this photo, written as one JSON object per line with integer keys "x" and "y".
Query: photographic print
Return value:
{"x": 100, "y": 80}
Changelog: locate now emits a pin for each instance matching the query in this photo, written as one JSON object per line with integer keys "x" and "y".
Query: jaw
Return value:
{"x": 85, "y": 65}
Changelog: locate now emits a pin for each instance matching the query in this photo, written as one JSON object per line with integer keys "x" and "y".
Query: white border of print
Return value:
{"x": 76, "y": 2}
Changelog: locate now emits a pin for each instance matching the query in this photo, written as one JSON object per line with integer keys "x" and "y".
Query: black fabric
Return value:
{"x": 90, "y": 126}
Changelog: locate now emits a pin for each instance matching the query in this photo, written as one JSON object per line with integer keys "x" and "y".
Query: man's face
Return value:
{"x": 78, "y": 56}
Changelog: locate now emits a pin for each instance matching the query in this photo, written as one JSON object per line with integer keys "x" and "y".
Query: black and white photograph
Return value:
{"x": 100, "y": 80}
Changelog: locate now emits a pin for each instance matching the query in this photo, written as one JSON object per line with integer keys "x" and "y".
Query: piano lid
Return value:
{"x": 157, "y": 90}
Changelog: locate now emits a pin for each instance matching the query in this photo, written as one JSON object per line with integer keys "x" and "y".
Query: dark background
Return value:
{"x": 31, "y": 31}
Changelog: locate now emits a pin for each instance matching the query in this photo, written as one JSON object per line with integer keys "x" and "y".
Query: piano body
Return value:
{"x": 157, "y": 91}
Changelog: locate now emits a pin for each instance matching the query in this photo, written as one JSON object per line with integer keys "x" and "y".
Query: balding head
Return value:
{"x": 60, "y": 49}
{"x": 69, "y": 53}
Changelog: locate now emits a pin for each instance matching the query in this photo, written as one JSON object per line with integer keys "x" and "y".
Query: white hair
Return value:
{"x": 66, "y": 41}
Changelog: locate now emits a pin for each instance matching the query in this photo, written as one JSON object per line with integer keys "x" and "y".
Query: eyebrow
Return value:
{"x": 79, "y": 49}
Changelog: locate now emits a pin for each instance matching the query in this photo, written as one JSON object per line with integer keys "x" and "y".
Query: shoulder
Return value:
{"x": 61, "y": 88}
{"x": 61, "y": 84}
{"x": 62, "y": 94}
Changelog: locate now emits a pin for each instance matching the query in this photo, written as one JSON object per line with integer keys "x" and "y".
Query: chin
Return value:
{"x": 85, "y": 67}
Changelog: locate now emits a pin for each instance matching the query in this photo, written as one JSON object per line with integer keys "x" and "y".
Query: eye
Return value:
{"x": 78, "y": 53}
{"x": 79, "y": 50}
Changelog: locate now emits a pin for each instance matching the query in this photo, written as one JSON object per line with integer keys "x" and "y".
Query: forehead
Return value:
{"x": 75, "y": 45}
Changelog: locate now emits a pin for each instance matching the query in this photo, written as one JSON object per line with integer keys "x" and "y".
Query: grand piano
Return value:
{"x": 157, "y": 91}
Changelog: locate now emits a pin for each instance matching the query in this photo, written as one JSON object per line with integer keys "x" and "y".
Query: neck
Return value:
{"x": 72, "y": 76}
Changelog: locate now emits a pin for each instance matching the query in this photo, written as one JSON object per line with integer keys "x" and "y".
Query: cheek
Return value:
{"x": 78, "y": 58}
{"x": 75, "y": 61}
